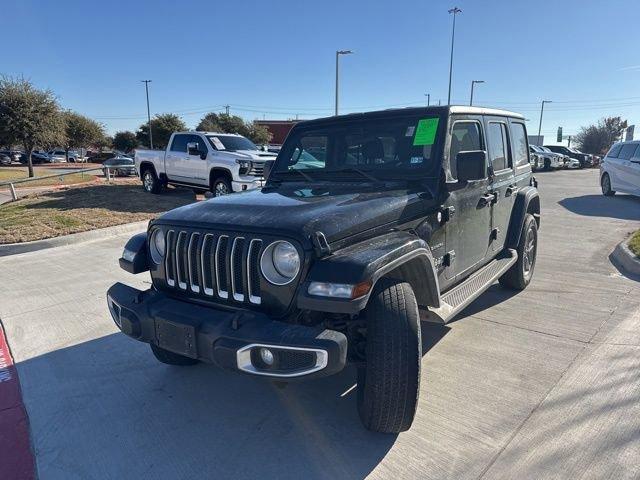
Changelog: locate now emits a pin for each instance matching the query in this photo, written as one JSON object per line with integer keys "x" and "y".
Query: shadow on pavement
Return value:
{"x": 623, "y": 207}
{"x": 107, "y": 409}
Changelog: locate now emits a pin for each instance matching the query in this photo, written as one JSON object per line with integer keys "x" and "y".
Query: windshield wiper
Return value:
{"x": 362, "y": 173}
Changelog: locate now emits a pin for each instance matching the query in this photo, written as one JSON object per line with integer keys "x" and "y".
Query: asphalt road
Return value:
{"x": 540, "y": 384}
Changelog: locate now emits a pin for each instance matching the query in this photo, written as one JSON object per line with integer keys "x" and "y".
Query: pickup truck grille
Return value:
{"x": 256, "y": 169}
{"x": 216, "y": 266}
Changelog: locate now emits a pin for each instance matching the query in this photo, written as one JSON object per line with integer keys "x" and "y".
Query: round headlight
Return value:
{"x": 280, "y": 262}
{"x": 157, "y": 246}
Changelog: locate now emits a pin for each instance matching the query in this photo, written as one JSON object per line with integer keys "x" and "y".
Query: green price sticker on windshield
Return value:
{"x": 426, "y": 132}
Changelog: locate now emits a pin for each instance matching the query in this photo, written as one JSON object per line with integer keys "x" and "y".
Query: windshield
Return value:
{"x": 231, "y": 143}
{"x": 384, "y": 147}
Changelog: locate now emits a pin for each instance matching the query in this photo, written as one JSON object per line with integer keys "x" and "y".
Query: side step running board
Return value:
{"x": 456, "y": 299}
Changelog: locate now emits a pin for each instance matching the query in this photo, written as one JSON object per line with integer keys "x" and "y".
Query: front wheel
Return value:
{"x": 170, "y": 358}
{"x": 605, "y": 183}
{"x": 389, "y": 384}
{"x": 221, "y": 187}
{"x": 521, "y": 272}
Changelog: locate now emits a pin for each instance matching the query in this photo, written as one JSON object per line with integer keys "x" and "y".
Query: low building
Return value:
{"x": 278, "y": 128}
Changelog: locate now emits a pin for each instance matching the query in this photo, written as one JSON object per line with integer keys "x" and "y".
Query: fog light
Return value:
{"x": 266, "y": 356}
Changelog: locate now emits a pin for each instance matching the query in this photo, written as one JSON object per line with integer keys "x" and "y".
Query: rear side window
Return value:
{"x": 179, "y": 143}
{"x": 498, "y": 142}
{"x": 465, "y": 137}
{"x": 615, "y": 150}
{"x": 627, "y": 151}
{"x": 519, "y": 144}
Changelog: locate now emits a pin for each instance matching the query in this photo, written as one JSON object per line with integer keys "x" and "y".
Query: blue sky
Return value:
{"x": 276, "y": 58}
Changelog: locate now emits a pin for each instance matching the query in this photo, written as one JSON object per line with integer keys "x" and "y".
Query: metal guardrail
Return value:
{"x": 105, "y": 168}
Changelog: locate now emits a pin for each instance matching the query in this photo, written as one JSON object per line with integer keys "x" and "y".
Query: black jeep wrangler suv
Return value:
{"x": 367, "y": 225}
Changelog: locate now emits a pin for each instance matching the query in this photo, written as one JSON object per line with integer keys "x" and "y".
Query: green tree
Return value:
{"x": 223, "y": 123}
{"x": 597, "y": 139}
{"x": 29, "y": 117}
{"x": 162, "y": 126}
{"x": 81, "y": 131}
{"x": 125, "y": 141}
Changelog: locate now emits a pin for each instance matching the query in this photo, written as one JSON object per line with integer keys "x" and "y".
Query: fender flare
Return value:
{"x": 144, "y": 165}
{"x": 527, "y": 201}
{"x": 399, "y": 255}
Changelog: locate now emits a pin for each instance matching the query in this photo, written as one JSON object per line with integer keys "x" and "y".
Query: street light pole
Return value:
{"x": 455, "y": 11}
{"x": 428, "y": 95}
{"x": 541, "y": 112}
{"x": 473, "y": 82}
{"x": 146, "y": 86}
{"x": 338, "y": 53}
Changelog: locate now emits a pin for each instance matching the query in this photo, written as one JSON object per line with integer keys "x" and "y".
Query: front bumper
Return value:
{"x": 243, "y": 185}
{"x": 229, "y": 339}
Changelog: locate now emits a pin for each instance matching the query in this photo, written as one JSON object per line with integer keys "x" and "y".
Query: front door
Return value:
{"x": 631, "y": 171}
{"x": 467, "y": 231}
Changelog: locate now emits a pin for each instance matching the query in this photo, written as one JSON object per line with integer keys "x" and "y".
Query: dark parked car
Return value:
{"x": 5, "y": 158}
{"x": 585, "y": 159}
{"x": 101, "y": 157}
{"x": 368, "y": 224}
{"x": 126, "y": 166}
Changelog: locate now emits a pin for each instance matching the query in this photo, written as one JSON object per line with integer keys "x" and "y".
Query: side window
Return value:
{"x": 465, "y": 136}
{"x": 498, "y": 142}
{"x": 627, "y": 150}
{"x": 311, "y": 152}
{"x": 637, "y": 154}
{"x": 202, "y": 145}
{"x": 519, "y": 144}
{"x": 179, "y": 143}
{"x": 615, "y": 150}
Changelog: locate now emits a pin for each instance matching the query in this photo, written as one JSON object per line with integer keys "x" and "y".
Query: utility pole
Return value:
{"x": 541, "y": 112}
{"x": 473, "y": 82}
{"x": 455, "y": 11}
{"x": 146, "y": 86}
{"x": 569, "y": 141}
{"x": 226, "y": 108}
{"x": 428, "y": 95}
{"x": 338, "y": 53}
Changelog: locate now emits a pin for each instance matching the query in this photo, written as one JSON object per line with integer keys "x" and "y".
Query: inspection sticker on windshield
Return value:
{"x": 426, "y": 131}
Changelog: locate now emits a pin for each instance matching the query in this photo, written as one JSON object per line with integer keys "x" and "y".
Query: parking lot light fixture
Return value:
{"x": 455, "y": 11}
{"x": 541, "y": 112}
{"x": 338, "y": 53}
{"x": 473, "y": 82}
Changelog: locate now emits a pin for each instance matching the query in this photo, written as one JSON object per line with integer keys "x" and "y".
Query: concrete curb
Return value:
{"x": 81, "y": 237}
{"x": 624, "y": 258}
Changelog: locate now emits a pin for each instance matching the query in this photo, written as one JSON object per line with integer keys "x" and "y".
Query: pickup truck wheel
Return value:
{"x": 605, "y": 183}
{"x": 521, "y": 272}
{"x": 547, "y": 165}
{"x": 389, "y": 384}
{"x": 170, "y": 358}
{"x": 150, "y": 181}
{"x": 221, "y": 187}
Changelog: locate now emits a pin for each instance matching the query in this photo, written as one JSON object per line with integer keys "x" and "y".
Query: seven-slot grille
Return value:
{"x": 214, "y": 265}
{"x": 257, "y": 168}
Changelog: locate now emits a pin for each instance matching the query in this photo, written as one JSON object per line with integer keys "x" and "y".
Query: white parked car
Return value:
{"x": 620, "y": 169}
{"x": 57, "y": 156}
{"x": 548, "y": 159}
{"x": 219, "y": 162}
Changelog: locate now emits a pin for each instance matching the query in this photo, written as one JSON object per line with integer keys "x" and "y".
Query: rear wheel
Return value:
{"x": 605, "y": 183}
{"x": 547, "y": 165}
{"x": 170, "y": 358}
{"x": 150, "y": 181}
{"x": 521, "y": 272}
{"x": 389, "y": 384}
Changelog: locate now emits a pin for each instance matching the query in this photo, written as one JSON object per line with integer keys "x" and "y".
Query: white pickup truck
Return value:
{"x": 219, "y": 162}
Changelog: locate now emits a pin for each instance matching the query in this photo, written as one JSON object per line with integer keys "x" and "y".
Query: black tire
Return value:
{"x": 389, "y": 384}
{"x": 605, "y": 184}
{"x": 170, "y": 358}
{"x": 521, "y": 272}
{"x": 547, "y": 165}
{"x": 150, "y": 181}
{"x": 221, "y": 186}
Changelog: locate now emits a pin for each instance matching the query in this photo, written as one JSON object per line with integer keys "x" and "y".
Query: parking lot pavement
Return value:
{"x": 539, "y": 384}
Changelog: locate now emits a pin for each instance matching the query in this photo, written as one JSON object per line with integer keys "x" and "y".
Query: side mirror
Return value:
{"x": 268, "y": 166}
{"x": 471, "y": 165}
{"x": 192, "y": 149}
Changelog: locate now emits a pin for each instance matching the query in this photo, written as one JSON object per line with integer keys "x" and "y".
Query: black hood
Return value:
{"x": 299, "y": 210}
